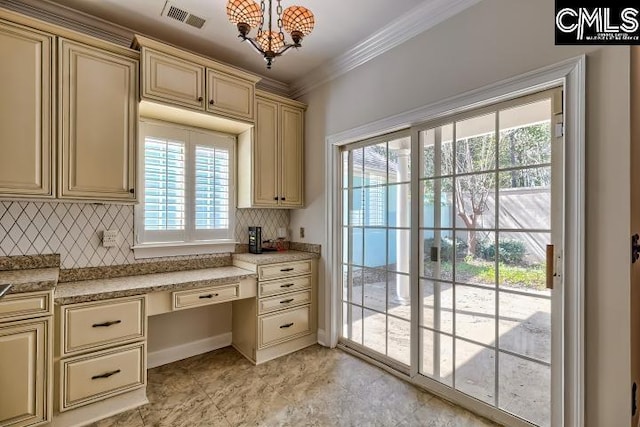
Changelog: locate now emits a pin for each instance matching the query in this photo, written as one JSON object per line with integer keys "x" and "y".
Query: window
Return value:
{"x": 186, "y": 189}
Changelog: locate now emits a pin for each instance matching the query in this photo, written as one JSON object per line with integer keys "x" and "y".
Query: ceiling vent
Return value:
{"x": 174, "y": 12}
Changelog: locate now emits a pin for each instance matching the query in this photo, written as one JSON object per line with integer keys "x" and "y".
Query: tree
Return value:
{"x": 475, "y": 159}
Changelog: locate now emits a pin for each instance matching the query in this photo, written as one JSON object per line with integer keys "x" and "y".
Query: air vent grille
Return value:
{"x": 195, "y": 21}
{"x": 178, "y": 14}
{"x": 182, "y": 15}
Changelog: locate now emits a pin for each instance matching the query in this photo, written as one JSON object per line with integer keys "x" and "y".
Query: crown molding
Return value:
{"x": 71, "y": 19}
{"x": 275, "y": 86}
{"x": 416, "y": 21}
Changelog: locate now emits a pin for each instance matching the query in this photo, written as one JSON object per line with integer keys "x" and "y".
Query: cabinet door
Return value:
{"x": 265, "y": 158}
{"x": 24, "y": 371}
{"x": 172, "y": 80}
{"x": 25, "y": 112}
{"x": 98, "y": 121}
{"x": 292, "y": 157}
{"x": 229, "y": 95}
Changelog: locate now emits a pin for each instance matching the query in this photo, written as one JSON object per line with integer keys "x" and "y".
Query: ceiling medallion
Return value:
{"x": 269, "y": 41}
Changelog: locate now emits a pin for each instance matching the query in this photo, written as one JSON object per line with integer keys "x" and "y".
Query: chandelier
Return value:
{"x": 270, "y": 41}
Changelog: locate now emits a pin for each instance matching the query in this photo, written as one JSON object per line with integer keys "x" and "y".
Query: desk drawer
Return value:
{"x": 286, "y": 269}
{"x": 88, "y": 326}
{"x": 268, "y": 305}
{"x": 275, "y": 287}
{"x": 205, "y": 296}
{"x": 276, "y": 328}
{"x": 94, "y": 377}
{"x": 25, "y": 305}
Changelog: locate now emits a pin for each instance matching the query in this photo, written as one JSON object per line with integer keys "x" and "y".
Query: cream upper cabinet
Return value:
{"x": 292, "y": 156}
{"x": 24, "y": 373}
{"x": 97, "y": 95}
{"x": 172, "y": 80}
{"x": 271, "y": 158}
{"x": 229, "y": 96}
{"x": 265, "y": 168}
{"x": 26, "y": 84}
{"x": 183, "y": 79}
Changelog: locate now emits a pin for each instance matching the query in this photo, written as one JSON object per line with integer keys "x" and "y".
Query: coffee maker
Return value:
{"x": 255, "y": 240}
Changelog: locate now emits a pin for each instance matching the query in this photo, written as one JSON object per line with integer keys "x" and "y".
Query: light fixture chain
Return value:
{"x": 261, "y": 18}
{"x": 279, "y": 10}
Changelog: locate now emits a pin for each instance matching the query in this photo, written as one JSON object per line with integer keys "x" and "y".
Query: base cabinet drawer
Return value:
{"x": 276, "y": 287}
{"x": 205, "y": 296}
{"x": 271, "y": 304}
{"x": 86, "y": 379}
{"x": 288, "y": 269}
{"x": 25, "y": 305}
{"x": 89, "y": 326}
{"x": 279, "y": 327}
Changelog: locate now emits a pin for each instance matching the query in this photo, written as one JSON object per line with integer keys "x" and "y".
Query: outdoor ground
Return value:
{"x": 523, "y": 329}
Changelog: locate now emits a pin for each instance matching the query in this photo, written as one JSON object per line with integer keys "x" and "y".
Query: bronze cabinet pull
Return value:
{"x": 288, "y": 285}
{"x": 208, "y": 296}
{"x": 106, "y": 324}
{"x": 105, "y": 375}
{"x": 286, "y": 301}
{"x": 286, "y": 269}
{"x": 286, "y": 325}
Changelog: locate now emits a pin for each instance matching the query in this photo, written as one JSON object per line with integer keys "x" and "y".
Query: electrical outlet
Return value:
{"x": 302, "y": 232}
{"x": 109, "y": 238}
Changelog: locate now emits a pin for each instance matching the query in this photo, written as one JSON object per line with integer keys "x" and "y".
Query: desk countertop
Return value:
{"x": 275, "y": 257}
{"x": 94, "y": 290}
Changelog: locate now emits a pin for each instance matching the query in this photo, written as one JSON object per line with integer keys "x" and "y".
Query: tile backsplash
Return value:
{"x": 74, "y": 230}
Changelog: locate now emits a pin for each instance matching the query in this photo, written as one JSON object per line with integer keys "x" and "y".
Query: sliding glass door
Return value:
{"x": 489, "y": 197}
{"x": 376, "y": 246}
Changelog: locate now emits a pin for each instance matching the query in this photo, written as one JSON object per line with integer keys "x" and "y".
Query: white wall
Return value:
{"x": 492, "y": 41}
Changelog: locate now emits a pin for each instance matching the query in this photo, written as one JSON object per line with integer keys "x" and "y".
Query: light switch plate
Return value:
{"x": 109, "y": 238}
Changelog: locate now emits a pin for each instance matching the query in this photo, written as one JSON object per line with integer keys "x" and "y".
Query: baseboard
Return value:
{"x": 321, "y": 338}
{"x": 89, "y": 414}
{"x": 182, "y": 351}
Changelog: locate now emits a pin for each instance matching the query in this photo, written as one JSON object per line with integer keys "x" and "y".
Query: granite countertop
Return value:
{"x": 99, "y": 289}
{"x": 275, "y": 257}
{"x": 33, "y": 280}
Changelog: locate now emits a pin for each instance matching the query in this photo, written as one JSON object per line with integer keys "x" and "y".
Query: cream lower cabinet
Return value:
{"x": 273, "y": 153}
{"x": 98, "y": 115}
{"x": 101, "y": 348}
{"x": 26, "y": 132}
{"x": 283, "y": 318}
{"x": 25, "y": 359}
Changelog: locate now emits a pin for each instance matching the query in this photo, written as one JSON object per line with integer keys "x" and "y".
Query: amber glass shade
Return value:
{"x": 277, "y": 41}
{"x": 244, "y": 12}
{"x": 298, "y": 18}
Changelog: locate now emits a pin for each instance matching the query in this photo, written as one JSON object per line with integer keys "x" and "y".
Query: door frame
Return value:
{"x": 571, "y": 75}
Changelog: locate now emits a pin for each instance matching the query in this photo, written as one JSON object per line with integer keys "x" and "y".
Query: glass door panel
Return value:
{"x": 377, "y": 217}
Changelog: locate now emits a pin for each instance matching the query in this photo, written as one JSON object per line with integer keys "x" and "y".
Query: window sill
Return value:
{"x": 164, "y": 249}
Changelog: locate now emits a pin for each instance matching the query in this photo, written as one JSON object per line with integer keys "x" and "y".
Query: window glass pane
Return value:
{"x": 475, "y": 314}
{"x": 437, "y": 205}
{"x": 212, "y": 188}
{"x": 400, "y": 160}
{"x": 476, "y": 144}
{"x": 375, "y": 164}
{"x": 399, "y": 207}
{"x": 525, "y": 199}
{"x": 437, "y": 356}
{"x": 525, "y": 135}
{"x": 429, "y": 139}
{"x": 475, "y": 200}
{"x": 437, "y": 305}
{"x": 164, "y": 185}
{"x": 475, "y": 371}
{"x": 518, "y": 377}
{"x": 398, "y": 340}
{"x": 525, "y": 325}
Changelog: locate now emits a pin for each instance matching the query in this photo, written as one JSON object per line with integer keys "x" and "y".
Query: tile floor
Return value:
{"x": 312, "y": 387}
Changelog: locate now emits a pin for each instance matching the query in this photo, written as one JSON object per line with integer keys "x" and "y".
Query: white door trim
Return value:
{"x": 569, "y": 73}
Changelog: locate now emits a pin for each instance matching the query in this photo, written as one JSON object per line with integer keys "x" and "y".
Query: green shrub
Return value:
{"x": 509, "y": 251}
